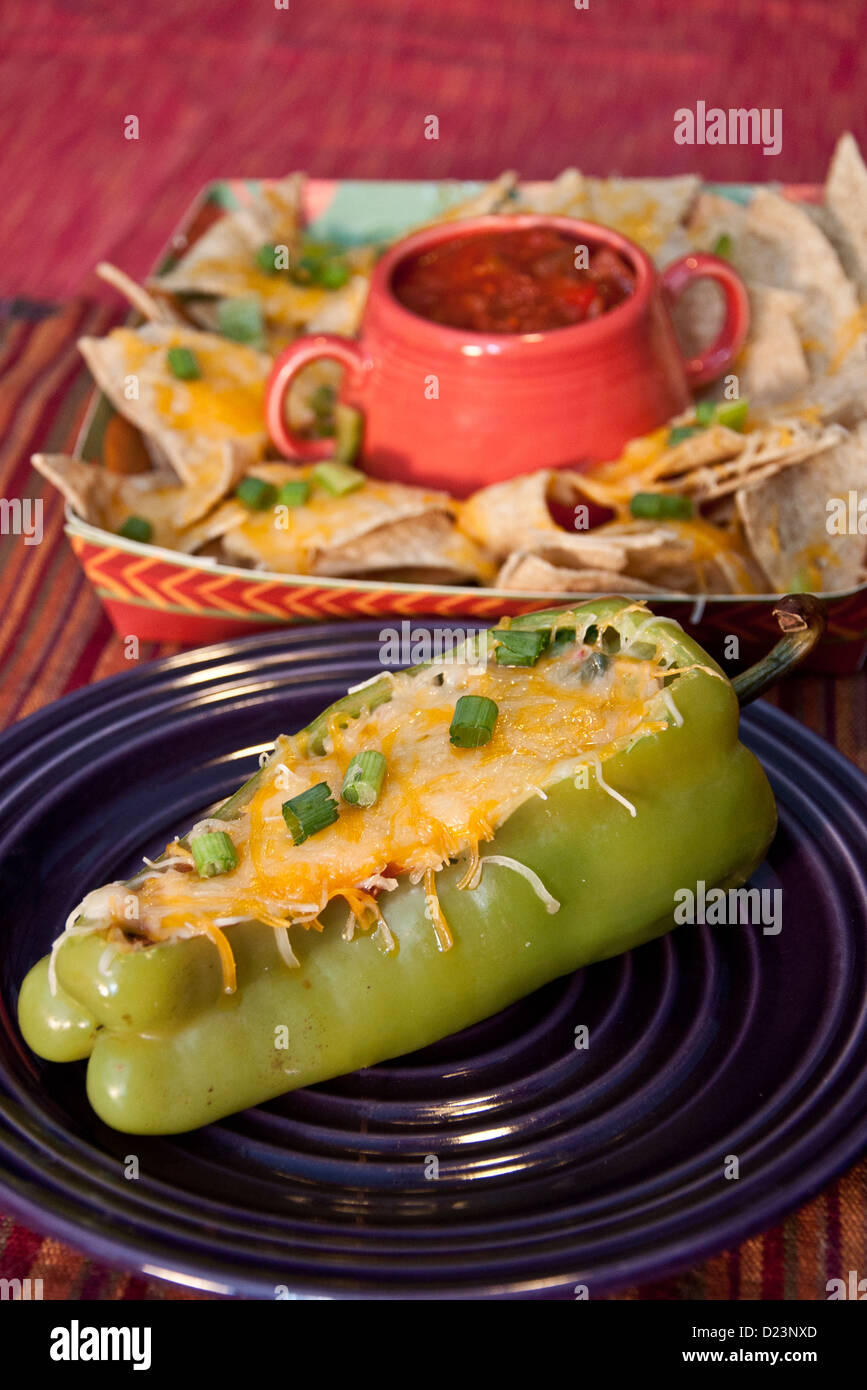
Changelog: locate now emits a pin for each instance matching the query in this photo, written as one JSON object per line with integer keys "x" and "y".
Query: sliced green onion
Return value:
{"x": 309, "y": 264}
{"x": 658, "y": 506}
{"x": 680, "y": 433}
{"x": 333, "y": 275}
{"x": 705, "y": 412}
{"x": 349, "y": 428}
{"x": 323, "y": 427}
{"x": 136, "y": 528}
{"x": 323, "y": 399}
{"x": 320, "y": 263}
{"x": 256, "y": 494}
{"x": 294, "y": 493}
{"x": 266, "y": 258}
{"x": 183, "y": 364}
{"x": 241, "y": 320}
{"x": 473, "y": 721}
{"x": 213, "y": 853}
{"x": 310, "y": 812}
{"x": 363, "y": 781}
{"x": 337, "y": 478}
{"x": 520, "y": 648}
{"x": 733, "y": 414}
{"x": 723, "y": 246}
{"x": 304, "y": 270}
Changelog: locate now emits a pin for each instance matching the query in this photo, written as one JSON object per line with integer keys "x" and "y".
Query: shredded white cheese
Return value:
{"x": 99, "y": 906}
{"x": 209, "y": 826}
{"x": 281, "y": 936}
{"x": 158, "y": 865}
{"x": 642, "y": 628}
{"x": 597, "y": 763}
{"x": 363, "y": 685}
{"x": 383, "y": 938}
{"x": 387, "y": 885}
{"x": 675, "y": 713}
{"x": 505, "y": 862}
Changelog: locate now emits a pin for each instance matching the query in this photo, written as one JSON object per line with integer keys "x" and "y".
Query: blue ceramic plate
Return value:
{"x": 556, "y": 1166}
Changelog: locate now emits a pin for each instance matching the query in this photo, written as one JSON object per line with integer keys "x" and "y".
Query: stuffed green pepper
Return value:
{"x": 435, "y": 845}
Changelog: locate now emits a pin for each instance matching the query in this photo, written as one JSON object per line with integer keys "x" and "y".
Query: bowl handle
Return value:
{"x": 286, "y": 367}
{"x": 713, "y": 361}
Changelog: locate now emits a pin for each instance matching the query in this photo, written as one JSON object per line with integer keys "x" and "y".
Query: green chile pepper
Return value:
{"x": 169, "y": 1051}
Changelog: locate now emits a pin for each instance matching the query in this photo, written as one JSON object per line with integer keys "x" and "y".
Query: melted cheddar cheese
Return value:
{"x": 289, "y": 539}
{"x": 437, "y": 803}
{"x": 281, "y": 299}
{"x": 227, "y": 402}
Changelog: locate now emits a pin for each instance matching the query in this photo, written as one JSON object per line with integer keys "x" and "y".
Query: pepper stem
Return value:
{"x": 801, "y": 619}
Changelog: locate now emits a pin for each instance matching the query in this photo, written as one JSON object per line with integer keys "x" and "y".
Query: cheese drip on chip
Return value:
{"x": 210, "y": 428}
{"x": 437, "y": 803}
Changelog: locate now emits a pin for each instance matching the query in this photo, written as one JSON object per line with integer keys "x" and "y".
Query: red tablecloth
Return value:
{"x": 339, "y": 88}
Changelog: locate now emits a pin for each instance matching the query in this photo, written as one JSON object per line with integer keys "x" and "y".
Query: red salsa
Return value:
{"x": 521, "y": 281}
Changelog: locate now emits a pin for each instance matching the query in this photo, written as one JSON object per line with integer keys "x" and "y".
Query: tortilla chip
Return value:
{"x": 222, "y": 264}
{"x": 222, "y": 261}
{"x": 316, "y": 538}
{"x": 786, "y": 519}
{"x": 698, "y": 314}
{"x": 840, "y": 396}
{"x": 209, "y": 430}
{"x": 765, "y": 452}
{"x": 489, "y": 199}
{"x": 341, "y": 312}
{"x": 153, "y": 309}
{"x": 584, "y": 551}
{"x": 565, "y": 196}
{"x": 781, "y": 246}
{"x": 532, "y": 574}
{"x": 322, "y": 371}
{"x": 846, "y": 203}
{"x": 500, "y": 517}
{"x": 707, "y": 446}
{"x": 648, "y": 211}
{"x": 772, "y": 366}
{"x": 690, "y": 557}
{"x": 107, "y": 499}
{"x": 713, "y": 216}
{"x": 427, "y": 546}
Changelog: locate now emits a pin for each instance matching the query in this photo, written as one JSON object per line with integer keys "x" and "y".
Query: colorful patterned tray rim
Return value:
{"x": 76, "y": 526}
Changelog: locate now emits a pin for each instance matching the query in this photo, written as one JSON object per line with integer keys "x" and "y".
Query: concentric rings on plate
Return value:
{"x": 508, "y": 1160}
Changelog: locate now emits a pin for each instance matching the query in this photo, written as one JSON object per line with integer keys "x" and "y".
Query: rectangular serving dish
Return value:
{"x": 159, "y": 595}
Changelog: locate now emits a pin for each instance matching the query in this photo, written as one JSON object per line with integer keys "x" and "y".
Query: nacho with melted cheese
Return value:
{"x": 681, "y": 510}
{"x": 376, "y": 528}
{"x": 436, "y": 803}
{"x": 257, "y": 254}
{"x": 208, "y": 428}
{"x": 109, "y": 500}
